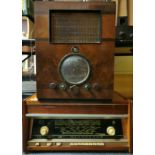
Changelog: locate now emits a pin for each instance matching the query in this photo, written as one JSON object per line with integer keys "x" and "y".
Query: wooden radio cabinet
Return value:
{"x": 75, "y": 44}
{"x": 120, "y": 109}
{"x": 75, "y": 107}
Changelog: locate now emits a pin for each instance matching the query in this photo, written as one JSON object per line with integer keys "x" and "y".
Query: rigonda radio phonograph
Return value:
{"x": 74, "y": 48}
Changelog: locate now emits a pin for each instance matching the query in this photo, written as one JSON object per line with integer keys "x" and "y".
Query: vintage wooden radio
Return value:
{"x": 74, "y": 48}
{"x": 53, "y": 126}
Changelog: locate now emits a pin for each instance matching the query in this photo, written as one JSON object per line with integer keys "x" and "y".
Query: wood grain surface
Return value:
{"x": 100, "y": 55}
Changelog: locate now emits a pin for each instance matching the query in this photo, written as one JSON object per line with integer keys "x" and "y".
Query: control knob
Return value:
{"x": 44, "y": 130}
{"x": 62, "y": 86}
{"x": 74, "y": 49}
{"x": 49, "y": 144}
{"x": 96, "y": 86}
{"x": 87, "y": 86}
{"x": 37, "y": 144}
{"x": 53, "y": 85}
{"x": 58, "y": 144}
{"x": 111, "y": 131}
{"x": 75, "y": 90}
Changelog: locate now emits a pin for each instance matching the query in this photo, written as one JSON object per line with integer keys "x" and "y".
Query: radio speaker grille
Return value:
{"x": 75, "y": 27}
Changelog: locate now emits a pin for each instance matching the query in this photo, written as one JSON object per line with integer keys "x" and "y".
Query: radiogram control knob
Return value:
{"x": 58, "y": 144}
{"x": 111, "y": 131}
{"x": 44, "y": 130}
{"x": 36, "y": 144}
{"x": 75, "y": 90}
{"x": 74, "y": 49}
{"x": 48, "y": 144}
{"x": 87, "y": 86}
{"x": 62, "y": 86}
{"x": 96, "y": 86}
{"x": 53, "y": 85}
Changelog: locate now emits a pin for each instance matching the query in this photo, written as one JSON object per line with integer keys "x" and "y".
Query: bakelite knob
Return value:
{"x": 111, "y": 131}
{"x": 87, "y": 86}
{"x": 36, "y": 144}
{"x": 53, "y": 85}
{"x": 96, "y": 86}
{"x": 74, "y": 49}
{"x": 62, "y": 86}
{"x": 44, "y": 130}
{"x": 75, "y": 90}
{"x": 58, "y": 143}
{"x": 48, "y": 144}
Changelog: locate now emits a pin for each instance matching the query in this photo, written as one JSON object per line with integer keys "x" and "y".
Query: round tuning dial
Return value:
{"x": 44, "y": 130}
{"x": 111, "y": 131}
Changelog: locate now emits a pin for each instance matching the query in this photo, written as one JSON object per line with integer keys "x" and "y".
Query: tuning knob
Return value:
{"x": 44, "y": 130}
{"x": 111, "y": 131}
{"x": 75, "y": 90}
{"x": 53, "y": 85}
{"x": 96, "y": 86}
{"x": 62, "y": 86}
{"x": 36, "y": 144}
{"x": 74, "y": 49}
{"x": 58, "y": 143}
{"x": 87, "y": 86}
{"x": 48, "y": 144}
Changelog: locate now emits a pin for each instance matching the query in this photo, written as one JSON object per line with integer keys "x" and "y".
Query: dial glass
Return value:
{"x": 74, "y": 69}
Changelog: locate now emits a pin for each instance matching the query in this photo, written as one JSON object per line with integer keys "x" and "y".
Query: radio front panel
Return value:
{"x": 75, "y": 45}
{"x": 69, "y": 133}
{"x": 49, "y": 126}
{"x": 76, "y": 128}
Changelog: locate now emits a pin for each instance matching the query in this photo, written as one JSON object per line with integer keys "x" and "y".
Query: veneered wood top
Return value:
{"x": 117, "y": 99}
{"x": 45, "y": 6}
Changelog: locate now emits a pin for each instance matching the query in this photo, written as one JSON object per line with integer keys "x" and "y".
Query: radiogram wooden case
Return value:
{"x": 74, "y": 49}
{"x": 120, "y": 109}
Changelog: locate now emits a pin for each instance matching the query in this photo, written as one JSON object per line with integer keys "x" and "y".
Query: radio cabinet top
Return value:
{"x": 74, "y": 48}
